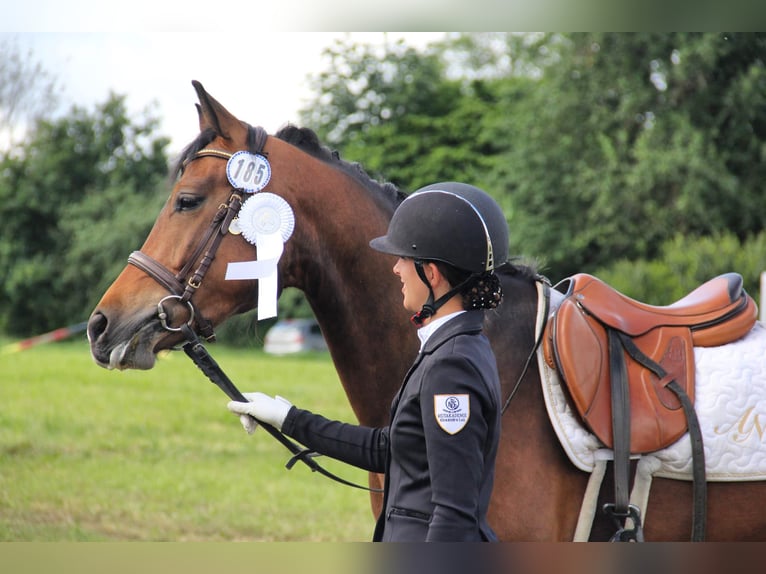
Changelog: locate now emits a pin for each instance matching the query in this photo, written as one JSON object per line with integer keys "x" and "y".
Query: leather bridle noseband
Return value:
{"x": 181, "y": 288}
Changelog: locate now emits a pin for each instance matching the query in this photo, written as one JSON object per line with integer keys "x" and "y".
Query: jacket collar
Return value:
{"x": 468, "y": 322}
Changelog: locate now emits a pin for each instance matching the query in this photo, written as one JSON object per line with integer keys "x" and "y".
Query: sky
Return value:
{"x": 262, "y": 81}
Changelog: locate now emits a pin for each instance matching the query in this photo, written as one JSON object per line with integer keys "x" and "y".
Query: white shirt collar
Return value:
{"x": 424, "y": 333}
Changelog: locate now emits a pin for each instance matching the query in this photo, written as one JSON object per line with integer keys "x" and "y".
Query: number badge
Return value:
{"x": 248, "y": 171}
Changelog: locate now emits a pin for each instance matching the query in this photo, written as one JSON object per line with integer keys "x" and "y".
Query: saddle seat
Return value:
{"x": 579, "y": 341}
{"x": 717, "y": 312}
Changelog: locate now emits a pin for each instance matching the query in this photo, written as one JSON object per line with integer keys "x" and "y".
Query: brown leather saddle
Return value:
{"x": 629, "y": 369}
{"x": 577, "y": 338}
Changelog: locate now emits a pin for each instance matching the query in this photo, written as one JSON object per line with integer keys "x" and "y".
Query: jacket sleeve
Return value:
{"x": 456, "y": 461}
{"x": 360, "y": 446}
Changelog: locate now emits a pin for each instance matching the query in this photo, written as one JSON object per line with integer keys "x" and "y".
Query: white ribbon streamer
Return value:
{"x": 243, "y": 270}
{"x": 270, "y": 247}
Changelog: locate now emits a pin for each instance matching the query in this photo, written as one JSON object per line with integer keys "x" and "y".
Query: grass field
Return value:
{"x": 92, "y": 455}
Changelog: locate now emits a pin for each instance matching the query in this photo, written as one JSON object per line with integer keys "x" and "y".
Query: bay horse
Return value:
{"x": 356, "y": 299}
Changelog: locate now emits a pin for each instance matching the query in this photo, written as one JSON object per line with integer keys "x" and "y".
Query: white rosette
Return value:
{"x": 267, "y": 221}
{"x": 266, "y": 214}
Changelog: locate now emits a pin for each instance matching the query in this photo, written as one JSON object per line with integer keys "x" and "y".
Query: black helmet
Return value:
{"x": 452, "y": 222}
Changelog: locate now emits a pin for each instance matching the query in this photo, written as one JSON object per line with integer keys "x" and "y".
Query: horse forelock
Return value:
{"x": 307, "y": 140}
{"x": 188, "y": 153}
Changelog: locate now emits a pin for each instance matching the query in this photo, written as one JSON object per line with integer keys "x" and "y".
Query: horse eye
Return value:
{"x": 188, "y": 202}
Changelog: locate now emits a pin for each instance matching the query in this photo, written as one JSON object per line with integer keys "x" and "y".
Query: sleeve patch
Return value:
{"x": 452, "y": 412}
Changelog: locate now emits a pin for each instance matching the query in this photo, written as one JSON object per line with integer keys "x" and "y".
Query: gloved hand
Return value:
{"x": 264, "y": 408}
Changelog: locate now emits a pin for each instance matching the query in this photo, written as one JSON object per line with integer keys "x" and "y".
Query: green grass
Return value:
{"x": 92, "y": 455}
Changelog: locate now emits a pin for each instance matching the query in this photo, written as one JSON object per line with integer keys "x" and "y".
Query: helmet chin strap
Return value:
{"x": 430, "y": 307}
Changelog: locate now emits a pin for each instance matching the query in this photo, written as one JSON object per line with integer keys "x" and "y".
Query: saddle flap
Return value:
{"x": 578, "y": 344}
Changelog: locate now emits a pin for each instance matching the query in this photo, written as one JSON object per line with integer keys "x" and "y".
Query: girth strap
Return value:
{"x": 620, "y": 422}
{"x": 699, "y": 515}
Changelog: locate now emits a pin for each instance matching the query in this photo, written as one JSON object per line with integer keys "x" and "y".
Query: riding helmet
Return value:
{"x": 452, "y": 222}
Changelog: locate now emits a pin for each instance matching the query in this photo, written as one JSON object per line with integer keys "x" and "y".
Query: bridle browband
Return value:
{"x": 184, "y": 284}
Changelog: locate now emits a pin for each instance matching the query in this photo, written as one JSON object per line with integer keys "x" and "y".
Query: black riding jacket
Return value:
{"x": 438, "y": 453}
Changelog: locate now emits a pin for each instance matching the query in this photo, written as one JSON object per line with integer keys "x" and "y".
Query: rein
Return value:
{"x": 533, "y": 353}
{"x": 184, "y": 284}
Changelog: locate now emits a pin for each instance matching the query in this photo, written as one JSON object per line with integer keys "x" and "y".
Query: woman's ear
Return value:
{"x": 436, "y": 278}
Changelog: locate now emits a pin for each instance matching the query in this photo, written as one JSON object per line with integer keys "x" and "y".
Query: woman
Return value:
{"x": 438, "y": 453}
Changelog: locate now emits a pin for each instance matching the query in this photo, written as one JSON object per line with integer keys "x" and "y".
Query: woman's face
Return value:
{"x": 414, "y": 290}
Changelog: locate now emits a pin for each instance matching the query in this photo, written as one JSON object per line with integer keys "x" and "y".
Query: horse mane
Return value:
{"x": 524, "y": 269}
{"x": 307, "y": 140}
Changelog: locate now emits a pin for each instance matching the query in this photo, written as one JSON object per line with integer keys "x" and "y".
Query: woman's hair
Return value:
{"x": 481, "y": 290}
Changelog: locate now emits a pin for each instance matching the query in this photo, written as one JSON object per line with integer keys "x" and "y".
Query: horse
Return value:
{"x": 180, "y": 279}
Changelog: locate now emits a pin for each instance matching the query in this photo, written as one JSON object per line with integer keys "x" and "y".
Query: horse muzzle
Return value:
{"x": 128, "y": 346}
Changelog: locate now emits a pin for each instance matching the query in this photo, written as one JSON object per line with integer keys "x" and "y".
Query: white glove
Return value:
{"x": 262, "y": 407}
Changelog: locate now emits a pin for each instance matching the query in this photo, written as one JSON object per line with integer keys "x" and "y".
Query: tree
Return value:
{"x": 631, "y": 138}
{"x": 27, "y": 90}
{"x": 366, "y": 86}
{"x": 685, "y": 262}
{"x": 402, "y": 115}
{"x": 75, "y": 200}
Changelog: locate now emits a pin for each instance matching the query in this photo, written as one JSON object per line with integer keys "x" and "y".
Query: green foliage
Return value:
{"x": 75, "y": 199}
{"x": 685, "y": 262}
{"x": 421, "y": 148}
{"x": 632, "y": 138}
{"x": 600, "y": 147}
{"x": 367, "y": 86}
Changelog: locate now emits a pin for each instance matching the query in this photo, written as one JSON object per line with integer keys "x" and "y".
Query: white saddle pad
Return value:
{"x": 730, "y": 400}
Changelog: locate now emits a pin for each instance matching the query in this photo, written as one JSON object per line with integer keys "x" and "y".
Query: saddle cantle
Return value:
{"x": 577, "y": 344}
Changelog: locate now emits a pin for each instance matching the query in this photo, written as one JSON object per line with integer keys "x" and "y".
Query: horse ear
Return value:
{"x": 212, "y": 115}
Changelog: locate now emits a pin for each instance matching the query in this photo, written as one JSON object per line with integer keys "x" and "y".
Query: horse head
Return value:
{"x": 124, "y": 330}
{"x": 178, "y": 277}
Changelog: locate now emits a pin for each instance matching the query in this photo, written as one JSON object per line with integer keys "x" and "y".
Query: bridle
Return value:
{"x": 184, "y": 284}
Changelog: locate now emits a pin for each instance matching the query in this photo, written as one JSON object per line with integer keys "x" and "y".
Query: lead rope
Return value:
{"x": 197, "y": 352}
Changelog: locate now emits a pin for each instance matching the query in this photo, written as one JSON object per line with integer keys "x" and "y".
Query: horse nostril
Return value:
{"x": 96, "y": 326}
